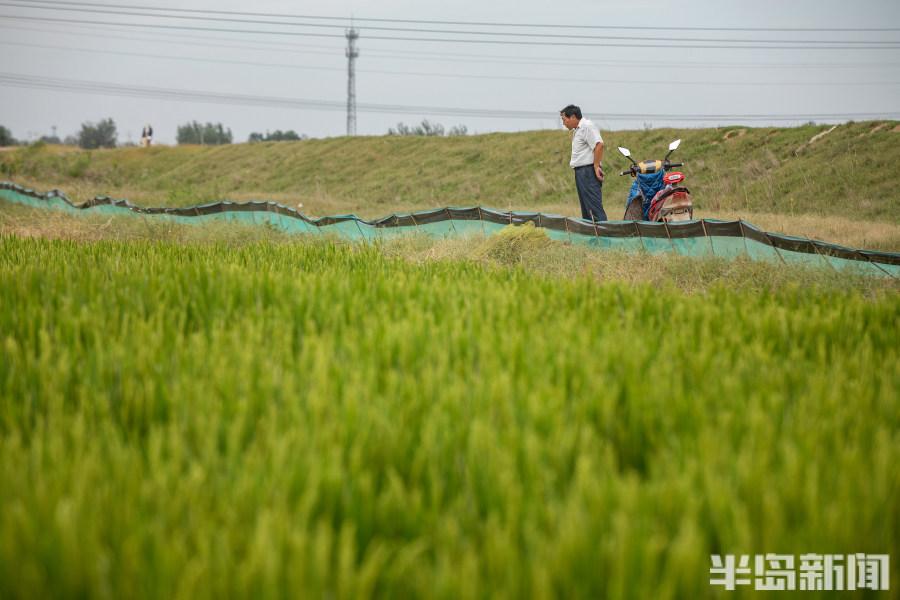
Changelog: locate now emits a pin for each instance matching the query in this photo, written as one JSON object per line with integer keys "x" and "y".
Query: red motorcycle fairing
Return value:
{"x": 672, "y": 204}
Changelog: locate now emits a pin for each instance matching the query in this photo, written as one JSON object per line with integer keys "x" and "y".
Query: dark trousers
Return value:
{"x": 590, "y": 193}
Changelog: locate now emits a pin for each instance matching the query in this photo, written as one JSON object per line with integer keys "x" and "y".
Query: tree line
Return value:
{"x": 104, "y": 134}
{"x": 427, "y": 128}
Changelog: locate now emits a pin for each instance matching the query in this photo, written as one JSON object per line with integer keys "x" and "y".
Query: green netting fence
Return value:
{"x": 706, "y": 237}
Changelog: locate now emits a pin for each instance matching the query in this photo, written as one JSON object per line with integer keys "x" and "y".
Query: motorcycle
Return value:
{"x": 657, "y": 194}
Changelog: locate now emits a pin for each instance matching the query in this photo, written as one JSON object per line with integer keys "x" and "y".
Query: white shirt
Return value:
{"x": 586, "y": 136}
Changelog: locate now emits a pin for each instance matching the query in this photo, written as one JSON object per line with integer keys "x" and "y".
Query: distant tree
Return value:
{"x": 402, "y": 129}
{"x": 71, "y": 140}
{"x": 431, "y": 129}
{"x": 276, "y": 136}
{"x": 206, "y": 134}
{"x": 52, "y": 138}
{"x": 426, "y": 128}
{"x": 6, "y": 137}
{"x": 99, "y": 135}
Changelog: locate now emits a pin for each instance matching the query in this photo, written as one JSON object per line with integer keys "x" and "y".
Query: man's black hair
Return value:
{"x": 571, "y": 110}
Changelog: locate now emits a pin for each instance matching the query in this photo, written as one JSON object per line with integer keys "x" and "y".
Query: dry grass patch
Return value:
{"x": 530, "y": 249}
{"x": 869, "y": 235}
{"x": 26, "y": 222}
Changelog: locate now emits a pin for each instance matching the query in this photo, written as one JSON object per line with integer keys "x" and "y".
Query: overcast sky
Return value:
{"x": 518, "y": 83}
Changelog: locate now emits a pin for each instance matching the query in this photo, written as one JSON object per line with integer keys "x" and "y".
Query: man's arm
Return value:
{"x": 598, "y": 158}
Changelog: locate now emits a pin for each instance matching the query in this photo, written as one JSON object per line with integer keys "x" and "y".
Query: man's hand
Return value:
{"x": 598, "y": 161}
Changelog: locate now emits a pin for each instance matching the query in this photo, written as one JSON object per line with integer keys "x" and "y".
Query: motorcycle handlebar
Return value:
{"x": 666, "y": 166}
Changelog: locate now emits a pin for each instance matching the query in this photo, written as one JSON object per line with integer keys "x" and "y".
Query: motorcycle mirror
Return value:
{"x": 625, "y": 152}
{"x": 672, "y": 148}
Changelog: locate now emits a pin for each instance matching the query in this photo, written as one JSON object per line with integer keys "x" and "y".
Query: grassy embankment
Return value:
{"x": 841, "y": 187}
{"x": 263, "y": 419}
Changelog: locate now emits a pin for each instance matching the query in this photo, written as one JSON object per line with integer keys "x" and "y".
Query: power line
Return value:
{"x": 456, "y": 57}
{"x": 173, "y": 27}
{"x": 476, "y": 23}
{"x": 831, "y": 46}
{"x": 531, "y": 35}
{"x": 492, "y": 77}
{"x": 630, "y": 64}
{"x": 178, "y": 38}
{"x": 181, "y": 58}
{"x": 147, "y": 92}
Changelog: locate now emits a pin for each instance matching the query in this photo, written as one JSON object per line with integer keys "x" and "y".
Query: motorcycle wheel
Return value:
{"x": 634, "y": 212}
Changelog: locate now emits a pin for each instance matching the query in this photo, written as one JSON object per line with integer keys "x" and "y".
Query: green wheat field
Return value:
{"x": 268, "y": 419}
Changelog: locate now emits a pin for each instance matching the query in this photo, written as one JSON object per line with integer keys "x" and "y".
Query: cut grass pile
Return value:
{"x": 217, "y": 419}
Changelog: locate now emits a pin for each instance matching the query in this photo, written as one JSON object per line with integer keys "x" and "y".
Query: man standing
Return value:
{"x": 147, "y": 136}
{"x": 587, "y": 157}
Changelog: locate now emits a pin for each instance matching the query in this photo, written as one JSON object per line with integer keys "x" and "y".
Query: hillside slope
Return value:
{"x": 849, "y": 171}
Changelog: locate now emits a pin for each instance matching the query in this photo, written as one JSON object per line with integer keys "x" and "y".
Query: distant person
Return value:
{"x": 146, "y": 136}
{"x": 586, "y": 162}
